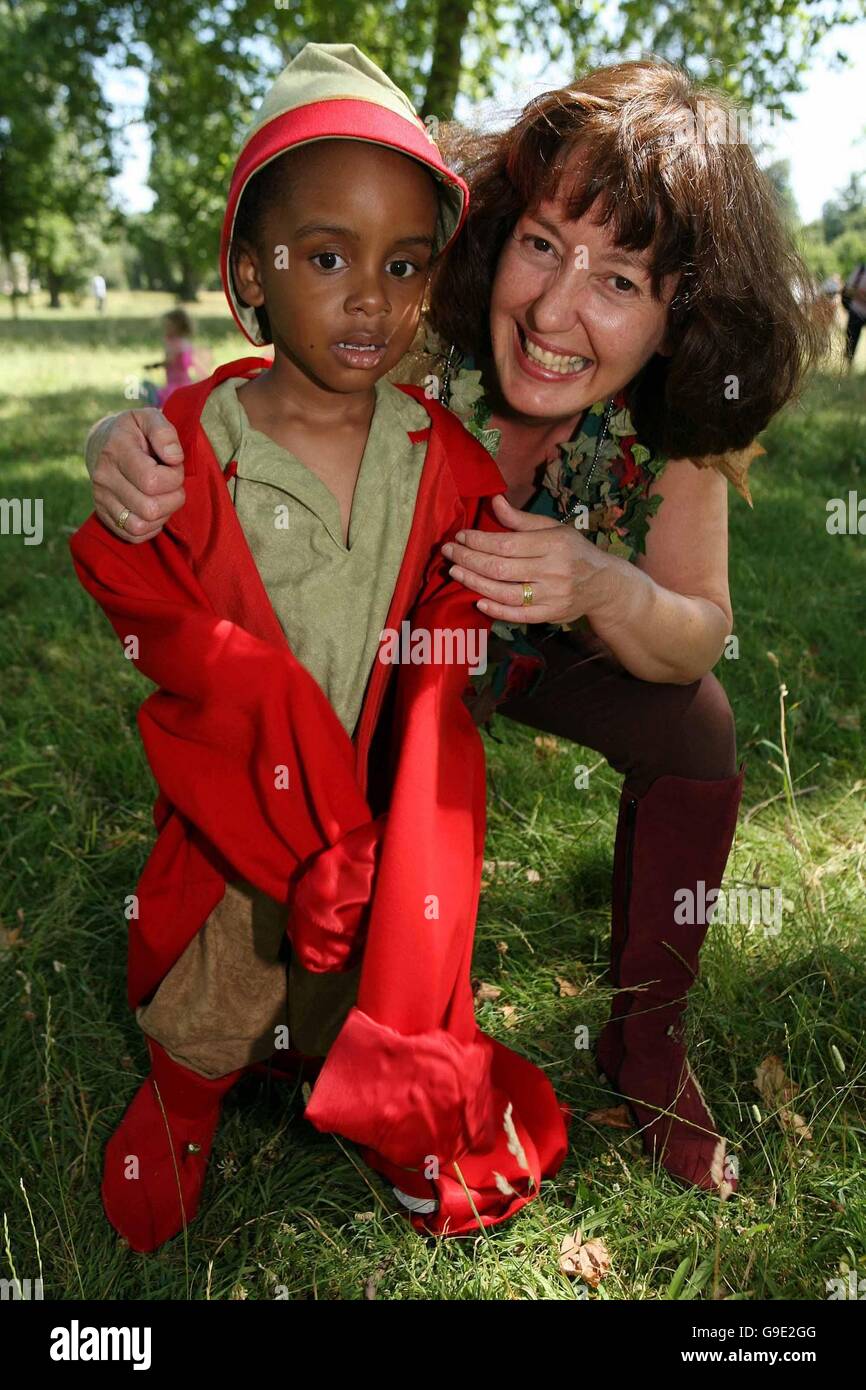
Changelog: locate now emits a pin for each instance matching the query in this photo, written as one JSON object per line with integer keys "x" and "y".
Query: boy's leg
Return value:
{"x": 219, "y": 1007}
{"x": 215, "y": 1012}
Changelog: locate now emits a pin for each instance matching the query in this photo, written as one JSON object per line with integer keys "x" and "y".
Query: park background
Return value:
{"x": 91, "y": 182}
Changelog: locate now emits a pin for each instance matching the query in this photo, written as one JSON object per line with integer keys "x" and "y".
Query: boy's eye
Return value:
{"x": 402, "y": 270}
{"x": 622, "y": 283}
{"x": 331, "y": 257}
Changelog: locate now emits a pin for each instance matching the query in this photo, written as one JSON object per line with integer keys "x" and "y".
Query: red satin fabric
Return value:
{"x": 330, "y": 906}
{"x": 439, "y": 1108}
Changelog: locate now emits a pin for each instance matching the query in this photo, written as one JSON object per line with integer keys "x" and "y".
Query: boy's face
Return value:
{"x": 343, "y": 261}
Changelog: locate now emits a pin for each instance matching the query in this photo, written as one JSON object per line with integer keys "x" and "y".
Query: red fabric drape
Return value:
{"x": 438, "y": 1107}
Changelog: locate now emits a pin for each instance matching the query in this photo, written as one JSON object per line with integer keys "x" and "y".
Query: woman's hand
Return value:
{"x": 569, "y": 575}
{"x": 136, "y": 464}
{"x": 665, "y": 618}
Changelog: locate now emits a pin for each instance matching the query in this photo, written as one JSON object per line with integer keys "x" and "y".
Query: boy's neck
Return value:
{"x": 287, "y": 393}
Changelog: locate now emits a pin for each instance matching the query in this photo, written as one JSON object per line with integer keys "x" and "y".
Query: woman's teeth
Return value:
{"x": 553, "y": 361}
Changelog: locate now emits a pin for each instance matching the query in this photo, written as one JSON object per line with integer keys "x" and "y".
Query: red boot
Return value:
{"x": 149, "y": 1202}
{"x": 678, "y": 833}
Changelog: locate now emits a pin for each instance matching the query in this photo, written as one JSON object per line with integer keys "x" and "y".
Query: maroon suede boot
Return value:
{"x": 156, "y": 1160}
{"x": 676, "y": 836}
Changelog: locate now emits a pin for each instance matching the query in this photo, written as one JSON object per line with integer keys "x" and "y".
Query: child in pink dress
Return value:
{"x": 181, "y": 361}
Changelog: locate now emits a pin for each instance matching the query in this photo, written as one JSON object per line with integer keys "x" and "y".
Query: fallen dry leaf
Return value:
{"x": 589, "y": 1259}
{"x": 566, "y": 989}
{"x": 615, "y": 1117}
{"x": 494, "y": 866}
{"x": 9, "y": 937}
{"x": 485, "y": 993}
{"x": 777, "y": 1091}
{"x": 546, "y": 746}
{"x": 502, "y": 947}
{"x": 846, "y": 719}
{"x": 508, "y": 1012}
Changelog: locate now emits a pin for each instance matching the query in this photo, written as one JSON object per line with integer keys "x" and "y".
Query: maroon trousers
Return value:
{"x": 643, "y": 729}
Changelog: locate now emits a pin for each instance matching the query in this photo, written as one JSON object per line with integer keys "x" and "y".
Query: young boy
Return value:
{"x": 305, "y": 787}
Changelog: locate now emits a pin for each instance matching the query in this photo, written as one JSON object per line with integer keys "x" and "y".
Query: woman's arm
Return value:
{"x": 665, "y": 618}
{"x": 135, "y": 461}
{"x": 667, "y": 615}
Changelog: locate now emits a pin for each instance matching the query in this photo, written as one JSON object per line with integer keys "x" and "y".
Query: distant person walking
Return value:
{"x": 854, "y": 300}
{"x": 97, "y": 285}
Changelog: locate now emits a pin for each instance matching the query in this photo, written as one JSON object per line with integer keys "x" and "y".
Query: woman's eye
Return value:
{"x": 330, "y": 256}
{"x": 538, "y": 244}
{"x": 406, "y": 269}
{"x": 623, "y": 284}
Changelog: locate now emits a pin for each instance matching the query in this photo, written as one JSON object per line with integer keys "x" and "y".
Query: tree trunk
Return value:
{"x": 187, "y": 290}
{"x": 54, "y": 285}
{"x": 443, "y": 83}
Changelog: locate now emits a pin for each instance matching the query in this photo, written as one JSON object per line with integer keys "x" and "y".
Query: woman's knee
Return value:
{"x": 699, "y": 739}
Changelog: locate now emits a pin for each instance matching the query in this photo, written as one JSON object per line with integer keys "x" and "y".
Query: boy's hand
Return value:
{"x": 136, "y": 463}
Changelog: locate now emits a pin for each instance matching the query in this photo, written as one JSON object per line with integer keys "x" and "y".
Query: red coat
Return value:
{"x": 410, "y": 1077}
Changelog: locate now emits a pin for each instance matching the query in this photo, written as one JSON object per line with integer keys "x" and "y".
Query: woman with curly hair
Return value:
{"x": 620, "y": 317}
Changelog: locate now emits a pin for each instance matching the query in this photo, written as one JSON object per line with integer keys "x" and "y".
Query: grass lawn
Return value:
{"x": 289, "y": 1212}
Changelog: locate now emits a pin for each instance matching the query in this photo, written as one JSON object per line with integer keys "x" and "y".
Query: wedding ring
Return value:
{"x": 122, "y": 519}
{"x": 527, "y": 594}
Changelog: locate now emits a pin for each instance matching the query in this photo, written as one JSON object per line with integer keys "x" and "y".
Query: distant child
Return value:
{"x": 314, "y": 885}
{"x": 181, "y": 362}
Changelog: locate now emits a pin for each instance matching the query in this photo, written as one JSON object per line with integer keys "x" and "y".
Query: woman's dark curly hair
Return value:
{"x": 667, "y": 176}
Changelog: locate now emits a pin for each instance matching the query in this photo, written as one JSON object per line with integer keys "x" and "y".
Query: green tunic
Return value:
{"x": 331, "y": 599}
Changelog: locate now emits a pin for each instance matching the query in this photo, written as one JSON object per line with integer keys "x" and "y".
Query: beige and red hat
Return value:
{"x": 332, "y": 91}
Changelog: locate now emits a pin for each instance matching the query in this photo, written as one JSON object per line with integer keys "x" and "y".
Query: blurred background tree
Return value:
{"x": 56, "y": 143}
{"x": 207, "y": 64}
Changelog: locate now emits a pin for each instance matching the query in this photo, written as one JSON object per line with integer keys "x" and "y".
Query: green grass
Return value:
{"x": 285, "y": 1206}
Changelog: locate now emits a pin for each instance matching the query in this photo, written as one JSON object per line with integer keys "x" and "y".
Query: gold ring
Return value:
{"x": 122, "y": 519}
{"x": 527, "y": 594}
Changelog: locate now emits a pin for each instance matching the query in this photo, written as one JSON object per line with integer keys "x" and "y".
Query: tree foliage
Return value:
{"x": 208, "y": 63}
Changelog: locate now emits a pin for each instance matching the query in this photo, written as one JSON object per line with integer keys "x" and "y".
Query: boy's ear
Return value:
{"x": 247, "y": 275}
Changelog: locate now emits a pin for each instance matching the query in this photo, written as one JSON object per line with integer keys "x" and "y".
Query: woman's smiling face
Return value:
{"x": 572, "y": 315}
